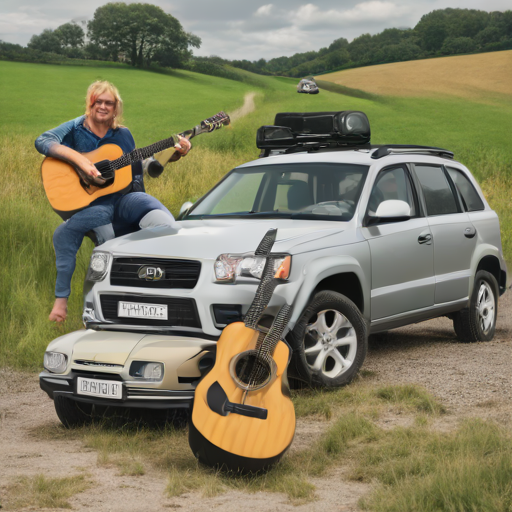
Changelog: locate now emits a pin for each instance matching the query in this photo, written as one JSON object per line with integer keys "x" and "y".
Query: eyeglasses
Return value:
{"x": 107, "y": 103}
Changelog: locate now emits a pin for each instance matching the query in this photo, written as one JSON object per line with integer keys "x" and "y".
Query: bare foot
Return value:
{"x": 59, "y": 311}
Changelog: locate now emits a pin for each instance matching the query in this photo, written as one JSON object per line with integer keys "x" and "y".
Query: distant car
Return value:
{"x": 308, "y": 86}
{"x": 379, "y": 237}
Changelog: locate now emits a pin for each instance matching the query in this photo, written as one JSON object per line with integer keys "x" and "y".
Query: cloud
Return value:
{"x": 375, "y": 11}
{"x": 264, "y": 11}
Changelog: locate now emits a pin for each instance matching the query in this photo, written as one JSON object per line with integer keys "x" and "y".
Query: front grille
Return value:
{"x": 180, "y": 312}
{"x": 177, "y": 273}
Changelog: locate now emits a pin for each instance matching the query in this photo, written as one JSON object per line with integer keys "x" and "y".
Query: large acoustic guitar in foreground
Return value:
{"x": 243, "y": 419}
{"x": 70, "y": 190}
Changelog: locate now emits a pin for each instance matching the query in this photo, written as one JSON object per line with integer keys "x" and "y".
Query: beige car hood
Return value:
{"x": 106, "y": 347}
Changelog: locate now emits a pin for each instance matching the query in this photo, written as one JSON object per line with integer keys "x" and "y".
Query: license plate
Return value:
{"x": 138, "y": 310}
{"x": 99, "y": 388}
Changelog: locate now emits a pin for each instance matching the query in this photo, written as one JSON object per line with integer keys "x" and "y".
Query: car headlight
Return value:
{"x": 98, "y": 266}
{"x": 153, "y": 372}
{"x": 55, "y": 362}
{"x": 229, "y": 266}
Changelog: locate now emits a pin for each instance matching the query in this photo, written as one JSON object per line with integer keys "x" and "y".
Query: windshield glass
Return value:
{"x": 318, "y": 191}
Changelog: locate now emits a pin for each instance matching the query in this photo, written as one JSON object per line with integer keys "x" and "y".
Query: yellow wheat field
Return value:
{"x": 483, "y": 77}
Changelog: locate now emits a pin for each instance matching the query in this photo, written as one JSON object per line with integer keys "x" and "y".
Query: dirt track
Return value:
{"x": 470, "y": 379}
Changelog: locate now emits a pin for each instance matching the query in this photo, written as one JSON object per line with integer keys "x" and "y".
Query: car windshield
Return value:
{"x": 317, "y": 191}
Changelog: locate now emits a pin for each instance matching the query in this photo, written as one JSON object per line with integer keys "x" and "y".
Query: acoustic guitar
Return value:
{"x": 69, "y": 189}
{"x": 242, "y": 418}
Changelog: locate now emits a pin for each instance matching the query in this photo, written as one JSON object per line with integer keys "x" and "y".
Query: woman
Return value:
{"x": 108, "y": 216}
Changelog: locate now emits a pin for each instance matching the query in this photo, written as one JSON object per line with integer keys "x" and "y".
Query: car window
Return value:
{"x": 392, "y": 183}
{"x": 239, "y": 195}
{"x": 316, "y": 191}
{"x": 470, "y": 197}
{"x": 439, "y": 196}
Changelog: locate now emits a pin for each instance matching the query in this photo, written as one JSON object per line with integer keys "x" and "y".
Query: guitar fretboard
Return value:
{"x": 142, "y": 153}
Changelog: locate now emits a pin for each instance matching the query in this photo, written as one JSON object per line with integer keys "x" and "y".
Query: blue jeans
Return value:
{"x": 124, "y": 212}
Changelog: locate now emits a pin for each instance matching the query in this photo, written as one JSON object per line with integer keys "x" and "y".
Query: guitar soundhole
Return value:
{"x": 250, "y": 371}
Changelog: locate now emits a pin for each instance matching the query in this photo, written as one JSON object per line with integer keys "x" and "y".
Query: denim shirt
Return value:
{"x": 75, "y": 135}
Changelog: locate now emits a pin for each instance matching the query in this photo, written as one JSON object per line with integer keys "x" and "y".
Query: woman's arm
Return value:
{"x": 50, "y": 144}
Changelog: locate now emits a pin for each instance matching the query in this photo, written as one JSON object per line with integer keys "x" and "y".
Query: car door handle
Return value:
{"x": 470, "y": 232}
{"x": 425, "y": 238}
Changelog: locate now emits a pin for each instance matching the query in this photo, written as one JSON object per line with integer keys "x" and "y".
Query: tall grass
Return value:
{"x": 467, "y": 470}
{"x": 37, "y": 97}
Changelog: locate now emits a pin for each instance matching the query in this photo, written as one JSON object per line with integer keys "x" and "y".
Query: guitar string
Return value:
{"x": 212, "y": 123}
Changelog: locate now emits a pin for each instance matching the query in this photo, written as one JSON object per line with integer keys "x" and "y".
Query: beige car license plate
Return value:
{"x": 99, "y": 388}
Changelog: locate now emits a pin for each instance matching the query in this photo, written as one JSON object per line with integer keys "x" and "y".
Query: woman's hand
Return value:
{"x": 88, "y": 168}
{"x": 182, "y": 146}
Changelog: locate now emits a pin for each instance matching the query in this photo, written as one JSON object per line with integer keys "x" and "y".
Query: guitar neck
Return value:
{"x": 142, "y": 153}
{"x": 209, "y": 125}
{"x": 267, "y": 345}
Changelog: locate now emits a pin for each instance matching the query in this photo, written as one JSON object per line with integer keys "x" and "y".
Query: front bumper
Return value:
{"x": 144, "y": 398}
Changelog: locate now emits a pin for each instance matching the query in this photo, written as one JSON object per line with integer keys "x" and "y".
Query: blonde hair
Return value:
{"x": 96, "y": 89}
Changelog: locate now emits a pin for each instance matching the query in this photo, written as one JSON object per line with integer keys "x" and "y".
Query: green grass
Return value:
{"x": 355, "y": 410}
{"x": 41, "y": 492}
{"x": 364, "y": 397}
{"x": 414, "y": 468}
{"x": 424, "y": 471}
{"x": 36, "y": 97}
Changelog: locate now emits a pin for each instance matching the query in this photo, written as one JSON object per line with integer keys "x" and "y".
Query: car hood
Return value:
{"x": 206, "y": 239}
{"x": 105, "y": 347}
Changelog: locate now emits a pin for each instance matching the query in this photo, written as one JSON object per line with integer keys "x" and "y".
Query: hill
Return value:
{"x": 36, "y": 97}
{"x": 485, "y": 77}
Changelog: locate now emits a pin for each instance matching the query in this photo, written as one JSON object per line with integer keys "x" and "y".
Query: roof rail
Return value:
{"x": 311, "y": 147}
{"x": 402, "y": 149}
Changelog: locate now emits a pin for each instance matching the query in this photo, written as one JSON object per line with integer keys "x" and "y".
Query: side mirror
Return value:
{"x": 184, "y": 208}
{"x": 391, "y": 210}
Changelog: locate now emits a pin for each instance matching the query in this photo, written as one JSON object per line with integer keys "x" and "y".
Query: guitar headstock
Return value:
{"x": 215, "y": 122}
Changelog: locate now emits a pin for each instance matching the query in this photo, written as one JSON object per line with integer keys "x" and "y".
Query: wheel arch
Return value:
{"x": 343, "y": 275}
{"x": 488, "y": 258}
{"x": 492, "y": 265}
{"x": 345, "y": 283}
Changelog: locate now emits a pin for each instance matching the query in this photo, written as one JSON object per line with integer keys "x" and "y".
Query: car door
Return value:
{"x": 453, "y": 233}
{"x": 401, "y": 252}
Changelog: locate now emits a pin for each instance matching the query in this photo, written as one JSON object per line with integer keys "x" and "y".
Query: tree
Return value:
{"x": 454, "y": 45}
{"x": 141, "y": 33}
{"x": 70, "y": 35}
{"x": 432, "y": 30}
{"x": 46, "y": 41}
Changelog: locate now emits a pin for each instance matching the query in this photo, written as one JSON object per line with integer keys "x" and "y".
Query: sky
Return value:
{"x": 246, "y": 29}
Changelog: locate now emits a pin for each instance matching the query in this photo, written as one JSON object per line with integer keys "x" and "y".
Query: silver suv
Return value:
{"x": 379, "y": 237}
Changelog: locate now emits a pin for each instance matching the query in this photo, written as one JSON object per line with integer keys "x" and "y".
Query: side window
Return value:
{"x": 436, "y": 189}
{"x": 392, "y": 183}
{"x": 470, "y": 197}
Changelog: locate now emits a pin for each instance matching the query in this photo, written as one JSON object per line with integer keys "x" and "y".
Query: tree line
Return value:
{"x": 439, "y": 33}
{"x": 139, "y": 34}
{"x": 143, "y": 35}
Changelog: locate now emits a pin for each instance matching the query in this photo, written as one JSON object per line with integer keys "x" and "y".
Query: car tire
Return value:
{"x": 73, "y": 414}
{"x": 329, "y": 342}
{"x": 478, "y": 321}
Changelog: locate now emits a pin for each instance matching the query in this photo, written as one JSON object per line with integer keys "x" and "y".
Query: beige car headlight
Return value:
{"x": 55, "y": 362}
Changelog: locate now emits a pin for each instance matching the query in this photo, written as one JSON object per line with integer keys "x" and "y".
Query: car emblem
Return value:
{"x": 150, "y": 273}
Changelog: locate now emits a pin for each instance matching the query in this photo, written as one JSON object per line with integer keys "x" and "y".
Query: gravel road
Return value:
{"x": 470, "y": 379}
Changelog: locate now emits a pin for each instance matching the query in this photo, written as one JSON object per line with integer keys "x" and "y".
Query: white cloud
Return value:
{"x": 311, "y": 16}
{"x": 264, "y": 10}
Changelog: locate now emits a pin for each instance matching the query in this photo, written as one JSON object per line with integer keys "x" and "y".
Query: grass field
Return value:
{"x": 37, "y": 97}
{"x": 484, "y": 77}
